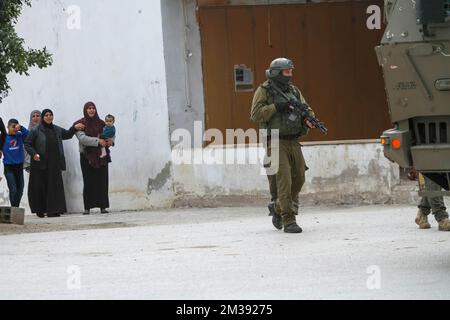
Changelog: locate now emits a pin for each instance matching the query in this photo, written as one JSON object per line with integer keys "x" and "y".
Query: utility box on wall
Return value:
{"x": 243, "y": 78}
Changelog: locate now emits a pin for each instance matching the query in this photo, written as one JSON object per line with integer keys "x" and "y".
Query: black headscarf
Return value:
{"x": 45, "y": 124}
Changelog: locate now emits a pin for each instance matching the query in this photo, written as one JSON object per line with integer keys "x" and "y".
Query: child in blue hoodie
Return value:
{"x": 13, "y": 157}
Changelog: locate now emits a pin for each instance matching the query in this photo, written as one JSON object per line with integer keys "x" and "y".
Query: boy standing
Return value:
{"x": 13, "y": 157}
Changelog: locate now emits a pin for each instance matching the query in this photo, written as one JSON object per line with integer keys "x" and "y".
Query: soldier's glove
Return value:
{"x": 283, "y": 107}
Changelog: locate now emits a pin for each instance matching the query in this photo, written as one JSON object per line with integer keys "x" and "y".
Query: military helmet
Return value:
{"x": 277, "y": 65}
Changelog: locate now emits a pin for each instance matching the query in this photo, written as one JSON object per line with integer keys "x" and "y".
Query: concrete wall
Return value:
{"x": 116, "y": 60}
{"x": 265, "y": 2}
{"x": 119, "y": 58}
{"x": 182, "y": 52}
{"x": 362, "y": 174}
{"x": 338, "y": 174}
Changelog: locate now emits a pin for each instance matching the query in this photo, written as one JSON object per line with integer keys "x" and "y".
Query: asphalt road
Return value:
{"x": 373, "y": 252}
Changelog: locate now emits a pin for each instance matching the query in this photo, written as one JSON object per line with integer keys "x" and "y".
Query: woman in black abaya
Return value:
{"x": 45, "y": 187}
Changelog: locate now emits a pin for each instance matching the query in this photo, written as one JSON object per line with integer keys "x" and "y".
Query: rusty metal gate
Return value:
{"x": 332, "y": 48}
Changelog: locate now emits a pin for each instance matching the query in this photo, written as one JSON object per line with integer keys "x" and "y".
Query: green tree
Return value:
{"x": 14, "y": 57}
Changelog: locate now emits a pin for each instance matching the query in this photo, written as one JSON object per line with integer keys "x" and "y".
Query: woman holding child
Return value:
{"x": 94, "y": 163}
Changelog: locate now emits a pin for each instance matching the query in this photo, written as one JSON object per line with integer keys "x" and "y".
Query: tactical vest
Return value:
{"x": 279, "y": 120}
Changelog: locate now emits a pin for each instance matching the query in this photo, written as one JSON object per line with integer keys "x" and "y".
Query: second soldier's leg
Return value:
{"x": 424, "y": 209}
{"x": 424, "y": 206}
{"x": 438, "y": 206}
{"x": 422, "y": 214}
{"x": 440, "y": 213}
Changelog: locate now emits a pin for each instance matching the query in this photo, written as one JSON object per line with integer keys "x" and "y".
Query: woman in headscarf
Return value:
{"x": 35, "y": 120}
{"x": 94, "y": 168}
{"x": 46, "y": 188}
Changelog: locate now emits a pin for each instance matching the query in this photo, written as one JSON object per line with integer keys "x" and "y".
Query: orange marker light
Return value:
{"x": 383, "y": 141}
{"x": 396, "y": 143}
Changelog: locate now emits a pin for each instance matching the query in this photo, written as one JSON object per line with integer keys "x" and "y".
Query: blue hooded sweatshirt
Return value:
{"x": 13, "y": 150}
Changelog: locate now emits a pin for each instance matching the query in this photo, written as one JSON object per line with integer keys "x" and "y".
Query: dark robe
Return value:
{"x": 46, "y": 188}
{"x": 95, "y": 185}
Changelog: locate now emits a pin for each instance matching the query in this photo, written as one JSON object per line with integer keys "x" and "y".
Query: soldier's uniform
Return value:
{"x": 433, "y": 205}
{"x": 290, "y": 176}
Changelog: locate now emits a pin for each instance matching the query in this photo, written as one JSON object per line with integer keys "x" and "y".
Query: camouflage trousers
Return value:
{"x": 433, "y": 205}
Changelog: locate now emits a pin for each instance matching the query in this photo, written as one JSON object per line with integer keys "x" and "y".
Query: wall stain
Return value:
{"x": 347, "y": 175}
{"x": 160, "y": 180}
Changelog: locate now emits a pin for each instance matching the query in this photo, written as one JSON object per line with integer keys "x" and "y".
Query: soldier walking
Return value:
{"x": 271, "y": 110}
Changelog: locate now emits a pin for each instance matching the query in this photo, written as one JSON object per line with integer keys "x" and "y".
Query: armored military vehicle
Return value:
{"x": 415, "y": 58}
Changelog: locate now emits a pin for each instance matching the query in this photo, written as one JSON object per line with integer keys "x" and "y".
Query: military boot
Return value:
{"x": 444, "y": 225}
{"x": 277, "y": 221}
{"x": 422, "y": 220}
{"x": 292, "y": 228}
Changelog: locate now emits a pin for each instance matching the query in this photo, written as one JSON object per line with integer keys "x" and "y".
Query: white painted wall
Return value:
{"x": 116, "y": 60}
{"x": 339, "y": 173}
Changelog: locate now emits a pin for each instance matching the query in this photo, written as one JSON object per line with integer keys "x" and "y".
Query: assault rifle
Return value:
{"x": 300, "y": 111}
